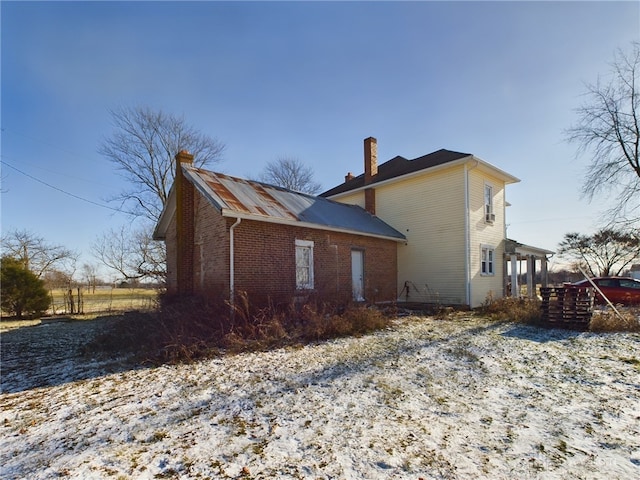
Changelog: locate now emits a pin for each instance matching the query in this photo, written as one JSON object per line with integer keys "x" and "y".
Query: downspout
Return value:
{"x": 467, "y": 232}
{"x": 232, "y": 285}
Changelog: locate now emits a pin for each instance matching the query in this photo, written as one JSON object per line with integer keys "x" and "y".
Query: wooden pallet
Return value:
{"x": 567, "y": 307}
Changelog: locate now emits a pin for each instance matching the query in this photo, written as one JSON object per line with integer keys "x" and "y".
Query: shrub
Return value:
{"x": 22, "y": 291}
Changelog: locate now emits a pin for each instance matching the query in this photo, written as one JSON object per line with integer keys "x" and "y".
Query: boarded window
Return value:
{"x": 304, "y": 264}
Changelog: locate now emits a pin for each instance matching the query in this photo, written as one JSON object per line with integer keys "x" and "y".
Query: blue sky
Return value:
{"x": 310, "y": 80}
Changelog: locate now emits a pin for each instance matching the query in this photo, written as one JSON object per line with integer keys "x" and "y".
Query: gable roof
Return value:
{"x": 239, "y": 198}
{"x": 399, "y": 166}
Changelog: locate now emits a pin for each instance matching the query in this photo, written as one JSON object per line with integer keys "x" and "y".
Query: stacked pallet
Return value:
{"x": 568, "y": 307}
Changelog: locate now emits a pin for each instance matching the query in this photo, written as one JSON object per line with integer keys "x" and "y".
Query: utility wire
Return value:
{"x": 64, "y": 191}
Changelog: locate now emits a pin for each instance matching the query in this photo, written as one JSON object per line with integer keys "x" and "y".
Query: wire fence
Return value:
{"x": 101, "y": 300}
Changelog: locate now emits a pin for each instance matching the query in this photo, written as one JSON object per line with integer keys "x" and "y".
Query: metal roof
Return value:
{"x": 237, "y": 197}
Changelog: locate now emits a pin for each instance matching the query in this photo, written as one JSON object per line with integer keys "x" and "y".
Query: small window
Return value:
{"x": 304, "y": 264}
{"x": 487, "y": 263}
{"x": 489, "y": 215}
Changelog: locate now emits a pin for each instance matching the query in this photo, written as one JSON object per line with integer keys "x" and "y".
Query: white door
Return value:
{"x": 357, "y": 274}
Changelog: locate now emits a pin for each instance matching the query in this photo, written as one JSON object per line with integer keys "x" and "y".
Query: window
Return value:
{"x": 629, "y": 283}
{"x": 489, "y": 216}
{"x": 304, "y": 264}
{"x": 487, "y": 256}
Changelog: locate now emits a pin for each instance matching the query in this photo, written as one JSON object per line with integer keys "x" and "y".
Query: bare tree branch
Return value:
{"x": 36, "y": 254}
{"x": 608, "y": 131}
{"x": 606, "y": 252}
{"x": 143, "y": 149}
{"x": 292, "y": 174}
{"x": 132, "y": 253}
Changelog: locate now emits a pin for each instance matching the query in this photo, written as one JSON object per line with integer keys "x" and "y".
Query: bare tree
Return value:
{"x": 143, "y": 148}
{"x": 606, "y": 252}
{"x": 608, "y": 130}
{"x": 90, "y": 272}
{"x": 132, "y": 253}
{"x": 36, "y": 254}
{"x": 292, "y": 174}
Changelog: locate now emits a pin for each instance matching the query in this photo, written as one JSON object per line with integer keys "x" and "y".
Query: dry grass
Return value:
{"x": 191, "y": 329}
{"x": 524, "y": 310}
{"x": 627, "y": 320}
{"x": 509, "y": 309}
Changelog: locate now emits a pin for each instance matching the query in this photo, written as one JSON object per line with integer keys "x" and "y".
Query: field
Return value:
{"x": 462, "y": 398}
{"x": 102, "y": 300}
{"x": 105, "y": 300}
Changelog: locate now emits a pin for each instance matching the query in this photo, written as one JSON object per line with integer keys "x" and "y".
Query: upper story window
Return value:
{"x": 487, "y": 260}
{"x": 489, "y": 214}
{"x": 304, "y": 264}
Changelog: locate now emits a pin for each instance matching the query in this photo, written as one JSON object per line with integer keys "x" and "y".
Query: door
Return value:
{"x": 357, "y": 274}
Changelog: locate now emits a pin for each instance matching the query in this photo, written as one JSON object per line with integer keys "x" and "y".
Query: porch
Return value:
{"x": 524, "y": 262}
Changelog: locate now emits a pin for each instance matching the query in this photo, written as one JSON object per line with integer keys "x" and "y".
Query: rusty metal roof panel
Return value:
{"x": 247, "y": 197}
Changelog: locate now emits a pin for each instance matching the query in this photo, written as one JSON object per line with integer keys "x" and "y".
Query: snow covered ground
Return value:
{"x": 431, "y": 399}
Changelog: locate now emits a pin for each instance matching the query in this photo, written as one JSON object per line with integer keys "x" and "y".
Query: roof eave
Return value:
{"x": 296, "y": 223}
{"x": 508, "y": 178}
{"x": 160, "y": 232}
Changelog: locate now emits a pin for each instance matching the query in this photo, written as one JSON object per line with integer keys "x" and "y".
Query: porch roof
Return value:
{"x": 513, "y": 247}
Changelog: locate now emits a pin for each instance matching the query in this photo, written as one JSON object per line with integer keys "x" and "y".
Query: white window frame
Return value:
{"x": 304, "y": 245}
{"x": 487, "y": 261}
{"x": 488, "y": 203}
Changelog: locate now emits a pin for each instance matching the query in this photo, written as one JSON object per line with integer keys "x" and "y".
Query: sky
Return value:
{"x": 310, "y": 80}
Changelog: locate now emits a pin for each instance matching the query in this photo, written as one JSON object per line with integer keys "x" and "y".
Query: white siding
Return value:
{"x": 483, "y": 233}
{"x": 356, "y": 198}
{"x": 429, "y": 210}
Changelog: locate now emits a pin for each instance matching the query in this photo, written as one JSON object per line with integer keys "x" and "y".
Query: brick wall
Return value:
{"x": 211, "y": 250}
{"x": 265, "y": 263}
{"x": 185, "y": 205}
{"x": 172, "y": 258}
{"x": 265, "y": 260}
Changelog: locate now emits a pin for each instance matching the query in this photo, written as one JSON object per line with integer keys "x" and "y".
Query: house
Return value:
{"x": 451, "y": 207}
{"x": 225, "y": 234}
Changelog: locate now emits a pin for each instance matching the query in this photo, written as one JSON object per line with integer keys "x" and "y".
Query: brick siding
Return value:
{"x": 265, "y": 260}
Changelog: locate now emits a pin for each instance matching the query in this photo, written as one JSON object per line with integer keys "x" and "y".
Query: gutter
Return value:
{"x": 232, "y": 285}
{"x": 467, "y": 231}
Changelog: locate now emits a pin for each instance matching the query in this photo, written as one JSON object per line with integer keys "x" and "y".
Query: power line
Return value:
{"x": 64, "y": 191}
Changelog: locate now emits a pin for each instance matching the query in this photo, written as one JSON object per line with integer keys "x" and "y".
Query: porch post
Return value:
{"x": 543, "y": 265}
{"x": 531, "y": 275}
{"x": 515, "y": 288}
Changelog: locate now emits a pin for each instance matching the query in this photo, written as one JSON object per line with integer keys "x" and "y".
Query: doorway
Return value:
{"x": 357, "y": 275}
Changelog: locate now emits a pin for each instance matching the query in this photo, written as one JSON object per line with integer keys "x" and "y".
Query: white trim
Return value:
{"x": 305, "y": 244}
{"x": 491, "y": 252}
{"x": 467, "y": 232}
{"x": 232, "y": 270}
{"x": 501, "y": 174}
{"x": 489, "y": 216}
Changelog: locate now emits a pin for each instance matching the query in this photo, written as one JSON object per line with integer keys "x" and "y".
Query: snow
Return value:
{"x": 432, "y": 399}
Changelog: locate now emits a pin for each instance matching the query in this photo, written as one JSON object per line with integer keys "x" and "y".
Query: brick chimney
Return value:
{"x": 185, "y": 222}
{"x": 370, "y": 159}
{"x": 370, "y": 172}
